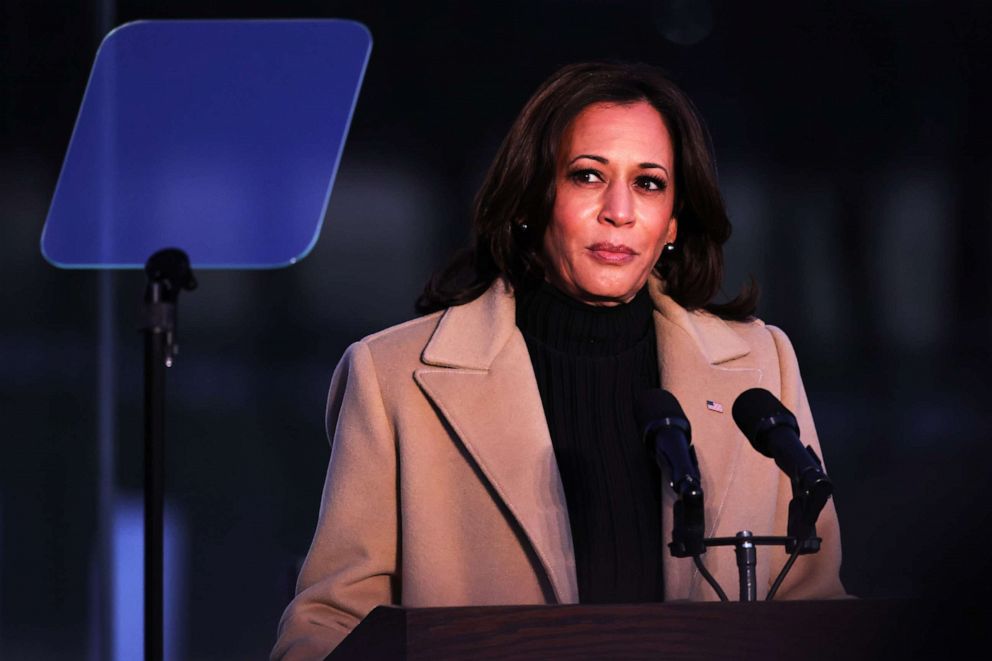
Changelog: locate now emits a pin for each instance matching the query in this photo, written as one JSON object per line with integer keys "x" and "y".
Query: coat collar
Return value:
{"x": 471, "y": 335}
{"x": 712, "y": 336}
{"x": 479, "y": 376}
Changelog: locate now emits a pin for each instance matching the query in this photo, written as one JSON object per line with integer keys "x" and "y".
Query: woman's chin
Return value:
{"x": 613, "y": 293}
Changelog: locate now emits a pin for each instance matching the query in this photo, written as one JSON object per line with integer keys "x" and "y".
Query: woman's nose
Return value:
{"x": 618, "y": 205}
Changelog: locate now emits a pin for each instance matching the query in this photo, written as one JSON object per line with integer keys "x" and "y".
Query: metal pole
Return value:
{"x": 747, "y": 560}
{"x": 155, "y": 352}
{"x": 102, "y": 616}
{"x": 168, "y": 273}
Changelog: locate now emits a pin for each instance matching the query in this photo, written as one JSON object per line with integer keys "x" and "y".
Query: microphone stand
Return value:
{"x": 801, "y": 540}
{"x": 810, "y": 492}
{"x": 168, "y": 273}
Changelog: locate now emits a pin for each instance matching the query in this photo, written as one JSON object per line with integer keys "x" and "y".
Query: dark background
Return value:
{"x": 854, "y": 153}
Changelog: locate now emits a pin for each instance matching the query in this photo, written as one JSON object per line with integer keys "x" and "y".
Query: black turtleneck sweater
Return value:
{"x": 590, "y": 363}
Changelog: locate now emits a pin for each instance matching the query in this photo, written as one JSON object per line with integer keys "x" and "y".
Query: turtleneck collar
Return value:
{"x": 564, "y": 324}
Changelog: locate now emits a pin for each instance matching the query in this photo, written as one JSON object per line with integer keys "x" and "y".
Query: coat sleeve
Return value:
{"x": 352, "y": 563}
{"x": 817, "y": 575}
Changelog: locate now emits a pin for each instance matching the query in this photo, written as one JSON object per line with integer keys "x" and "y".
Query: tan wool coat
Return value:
{"x": 443, "y": 490}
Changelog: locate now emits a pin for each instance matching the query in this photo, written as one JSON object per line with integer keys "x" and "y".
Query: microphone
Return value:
{"x": 774, "y": 432}
{"x": 667, "y": 431}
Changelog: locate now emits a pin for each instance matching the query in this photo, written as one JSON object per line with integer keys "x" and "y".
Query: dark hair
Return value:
{"x": 519, "y": 190}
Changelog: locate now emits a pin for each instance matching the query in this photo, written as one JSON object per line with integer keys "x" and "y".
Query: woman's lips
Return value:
{"x": 610, "y": 253}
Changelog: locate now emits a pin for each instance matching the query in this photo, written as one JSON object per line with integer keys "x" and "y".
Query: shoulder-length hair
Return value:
{"x": 514, "y": 205}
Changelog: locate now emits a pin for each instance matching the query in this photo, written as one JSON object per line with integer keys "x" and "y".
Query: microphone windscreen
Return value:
{"x": 656, "y": 404}
{"x": 755, "y": 411}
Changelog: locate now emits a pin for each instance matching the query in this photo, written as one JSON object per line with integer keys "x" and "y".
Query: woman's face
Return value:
{"x": 614, "y": 199}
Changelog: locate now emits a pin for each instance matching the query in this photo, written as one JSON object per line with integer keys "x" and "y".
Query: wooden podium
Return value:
{"x": 799, "y": 630}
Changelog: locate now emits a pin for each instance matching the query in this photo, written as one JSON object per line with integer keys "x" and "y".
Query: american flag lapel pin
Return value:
{"x": 714, "y": 406}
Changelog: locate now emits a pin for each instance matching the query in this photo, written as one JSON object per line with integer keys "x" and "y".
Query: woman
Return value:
{"x": 487, "y": 453}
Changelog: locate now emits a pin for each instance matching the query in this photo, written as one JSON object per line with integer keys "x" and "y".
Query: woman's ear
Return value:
{"x": 673, "y": 230}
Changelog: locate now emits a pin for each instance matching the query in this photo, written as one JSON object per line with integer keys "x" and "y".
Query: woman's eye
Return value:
{"x": 586, "y": 177}
{"x": 652, "y": 183}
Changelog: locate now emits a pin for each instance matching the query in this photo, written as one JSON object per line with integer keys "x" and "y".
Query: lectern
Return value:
{"x": 801, "y": 630}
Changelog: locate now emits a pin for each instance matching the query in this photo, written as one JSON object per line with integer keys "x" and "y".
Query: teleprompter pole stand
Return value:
{"x": 168, "y": 273}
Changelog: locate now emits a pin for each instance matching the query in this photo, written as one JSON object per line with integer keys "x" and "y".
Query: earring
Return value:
{"x": 524, "y": 227}
{"x": 669, "y": 248}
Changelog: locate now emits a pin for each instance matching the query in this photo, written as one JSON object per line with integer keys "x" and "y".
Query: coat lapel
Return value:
{"x": 703, "y": 362}
{"x": 481, "y": 380}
